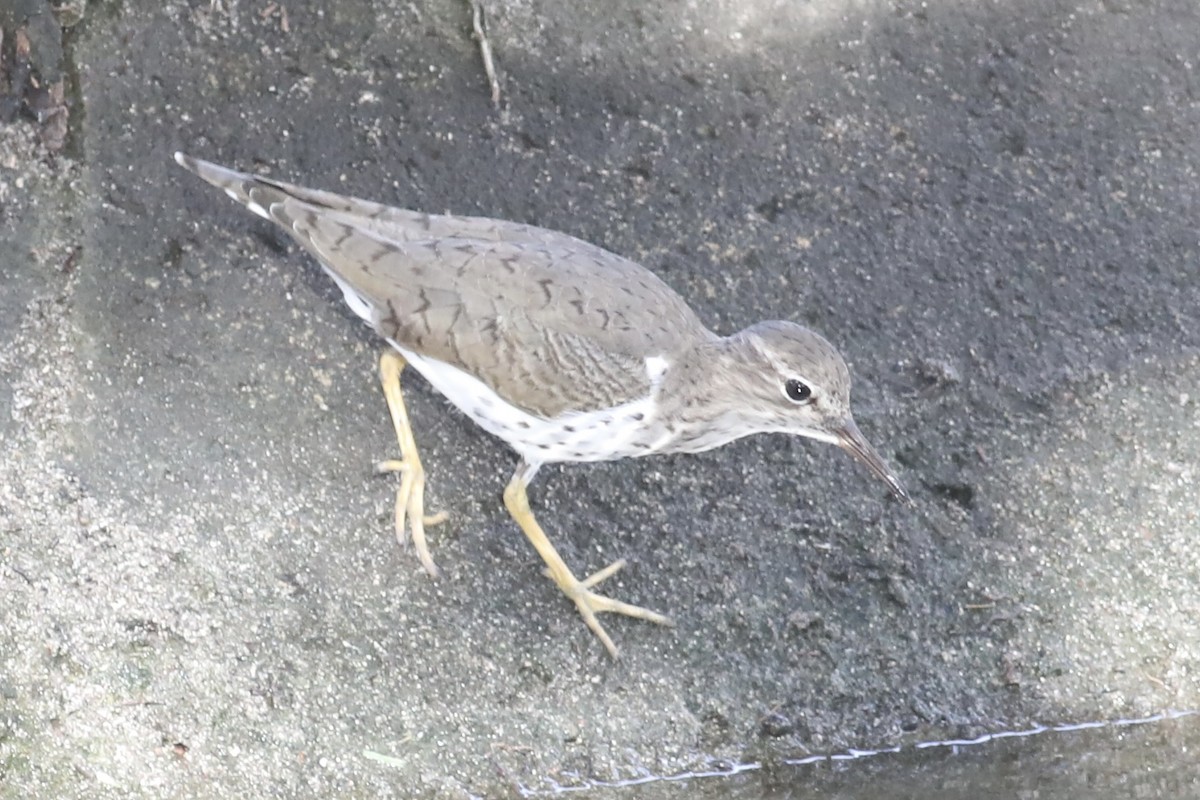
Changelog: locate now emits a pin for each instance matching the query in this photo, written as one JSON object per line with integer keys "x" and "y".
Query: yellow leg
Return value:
{"x": 589, "y": 603}
{"x": 410, "y": 497}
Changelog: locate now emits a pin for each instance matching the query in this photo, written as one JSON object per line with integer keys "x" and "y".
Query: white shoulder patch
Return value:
{"x": 656, "y": 367}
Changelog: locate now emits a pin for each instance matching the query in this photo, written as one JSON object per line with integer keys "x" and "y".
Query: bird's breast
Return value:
{"x": 622, "y": 431}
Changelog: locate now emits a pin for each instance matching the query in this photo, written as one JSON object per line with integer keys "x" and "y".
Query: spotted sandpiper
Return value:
{"x": 562, "y": 349}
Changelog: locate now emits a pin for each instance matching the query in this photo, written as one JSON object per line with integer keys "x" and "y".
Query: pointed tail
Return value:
{"x": 241, "y": 186}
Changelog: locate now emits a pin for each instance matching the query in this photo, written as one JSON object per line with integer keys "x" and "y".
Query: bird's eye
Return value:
{"x": 797, "y": 391}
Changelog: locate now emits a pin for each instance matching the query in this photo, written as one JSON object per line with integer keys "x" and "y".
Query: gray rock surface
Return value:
{"x": 990, "y": 208}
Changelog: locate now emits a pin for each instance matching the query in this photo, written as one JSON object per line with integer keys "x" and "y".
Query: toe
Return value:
{"x": 601, "y": 604}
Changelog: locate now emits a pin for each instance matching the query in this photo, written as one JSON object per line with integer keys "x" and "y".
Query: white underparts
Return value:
{"x": 601, "y": 435}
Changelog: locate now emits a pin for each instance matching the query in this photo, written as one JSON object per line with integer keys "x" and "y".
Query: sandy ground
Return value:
{"x": 990, "y": 208}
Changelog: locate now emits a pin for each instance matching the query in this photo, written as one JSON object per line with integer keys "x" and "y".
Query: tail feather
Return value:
{"x": 238, "y": 185}
{"x": 266, "y": 196}
{"x": 259, "y": 194}
{"x": 279, "y": 202}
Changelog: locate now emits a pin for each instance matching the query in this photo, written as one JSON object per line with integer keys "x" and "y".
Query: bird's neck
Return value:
{"x": 700, "y": 394}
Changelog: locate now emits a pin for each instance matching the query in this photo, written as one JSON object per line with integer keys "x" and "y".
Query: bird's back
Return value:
{"x": 551, "y": 323}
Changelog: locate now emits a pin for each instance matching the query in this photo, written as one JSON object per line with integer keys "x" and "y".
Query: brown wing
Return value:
{"x": 548, "y": 326}
{"x": 548, "y": 321}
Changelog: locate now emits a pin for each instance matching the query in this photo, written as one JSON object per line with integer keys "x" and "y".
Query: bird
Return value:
{"x": 564, "y": 350}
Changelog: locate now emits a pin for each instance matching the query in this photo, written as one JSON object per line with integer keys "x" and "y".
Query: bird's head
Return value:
{"x": 794, "y": 381}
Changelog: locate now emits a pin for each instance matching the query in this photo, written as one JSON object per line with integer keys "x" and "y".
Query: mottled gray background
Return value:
{"x": 990, "y": 207}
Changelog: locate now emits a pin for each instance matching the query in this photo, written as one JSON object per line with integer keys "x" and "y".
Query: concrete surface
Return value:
{"x": 990, "y": 207}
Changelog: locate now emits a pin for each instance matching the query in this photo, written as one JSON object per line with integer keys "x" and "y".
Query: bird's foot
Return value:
{"x": 410, "y": 508}
{"x": 590, "y": 603}
{"x": 410, "y": 497}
